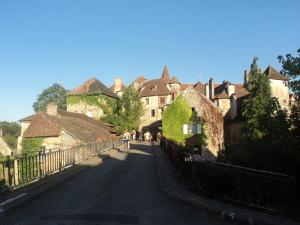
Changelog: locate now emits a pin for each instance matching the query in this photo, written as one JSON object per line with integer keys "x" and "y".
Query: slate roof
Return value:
{"x": 93, "y": 86}
{"x": 273, "y": 74}
{"x": 78, "y": 125}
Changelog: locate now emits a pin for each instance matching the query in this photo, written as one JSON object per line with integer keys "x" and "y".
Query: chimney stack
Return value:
{"x": 233, "y": 106}
{"x": 52, "y": 109}
{"x": 211, "y": 88}
{"x": 246, "y": 77}
{"x": 230, "y": 89}
{"x": 207, "y": 90}
{"x": 118, "y": 85}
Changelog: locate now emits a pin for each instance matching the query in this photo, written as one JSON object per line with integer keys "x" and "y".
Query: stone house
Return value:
{"x": 155, "y": 95}
{"x": 212, "y": 117}
{"x": 61, "y": 129}
{"x": 4, "y": 148}
{"x": 90, "y": 97}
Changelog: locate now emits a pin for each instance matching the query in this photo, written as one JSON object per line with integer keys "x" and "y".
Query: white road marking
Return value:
{"x": 12, "y": 199}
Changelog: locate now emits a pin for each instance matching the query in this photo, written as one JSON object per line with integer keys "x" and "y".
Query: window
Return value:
{"x": 173, "y": 96}
{"x": 162, "y": 100}
{"x": 147, "y": 101}
{"x": 153, "y": 112}
{"x": 193, "y": 109}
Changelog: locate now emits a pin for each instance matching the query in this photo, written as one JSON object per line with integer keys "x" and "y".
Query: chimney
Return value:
{"x": 52, "y": 109}
{"x": 233, "y": 106}
{"x": 211, "y": 88}
{"x": 207, "y": 90}
{"x": 246, "y": 77}
{"x": 1, "y": 132}
{"x": 230, "y": 89}
{"x": 118, "y": 85}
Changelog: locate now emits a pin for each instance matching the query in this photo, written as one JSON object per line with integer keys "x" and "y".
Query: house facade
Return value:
{"x": 155, "y": 95}
{"x": 90, "y": 98}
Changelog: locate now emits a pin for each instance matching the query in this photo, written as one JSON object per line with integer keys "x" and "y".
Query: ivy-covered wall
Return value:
{"x": 173, "y": 118}
{"x": 31, "y": 145}
{"x": 98, "y": 103}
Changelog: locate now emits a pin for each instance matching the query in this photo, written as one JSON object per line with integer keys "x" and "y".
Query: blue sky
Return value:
{"x": 69, "y": 41}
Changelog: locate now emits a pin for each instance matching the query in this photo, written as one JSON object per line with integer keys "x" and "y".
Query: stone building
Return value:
{"x": 61, "y": 129}
{"x": 155, "y": 95}
{"x": 90, "y": 97}
{"x": 4, "y": 148}
{"x": 212, "y": 117}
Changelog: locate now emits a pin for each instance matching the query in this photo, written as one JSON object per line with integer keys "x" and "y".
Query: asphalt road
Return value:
{"x": 122, "y": 190}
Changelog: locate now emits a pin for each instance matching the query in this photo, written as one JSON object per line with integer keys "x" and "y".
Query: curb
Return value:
{"x": 228, "y": 216}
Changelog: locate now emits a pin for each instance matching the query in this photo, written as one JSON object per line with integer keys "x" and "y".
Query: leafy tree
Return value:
{"x": 262, "y": 112}
{"x": 295, "y": 121}
{"x": 55, "y": 93}
{"x": 291, "y": 69}
{"x": 10, "y": 132}
{"x": 127, "y": 112}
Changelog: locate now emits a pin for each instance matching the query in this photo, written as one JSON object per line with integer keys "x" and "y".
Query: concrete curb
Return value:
{"x": 226, "y": 215}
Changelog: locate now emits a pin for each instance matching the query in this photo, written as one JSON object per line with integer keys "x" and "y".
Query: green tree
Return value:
{"x": 291, "y": 69}
{"x": 55, "y": 93}
{"x": 262, "y": 112}
{"x": 31, "y": 145}
{"x": 127, "y": 112}
{"x": 10, "y": 132}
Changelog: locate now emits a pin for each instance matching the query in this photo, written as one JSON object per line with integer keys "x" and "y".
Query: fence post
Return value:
{"x": 9, "y": 174}
{"x": 41, "y": 162}
{"x": 16, "y": 172}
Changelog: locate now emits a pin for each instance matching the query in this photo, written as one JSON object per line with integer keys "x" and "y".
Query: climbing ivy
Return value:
{"x": 31, "y": 145}
{"x": 107, "y": 104}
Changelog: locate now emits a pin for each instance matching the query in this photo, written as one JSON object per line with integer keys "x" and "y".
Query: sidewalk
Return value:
{"x": 172, "y": 187}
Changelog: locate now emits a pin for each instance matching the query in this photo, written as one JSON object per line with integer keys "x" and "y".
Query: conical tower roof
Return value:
{"x": 165, "y": 75}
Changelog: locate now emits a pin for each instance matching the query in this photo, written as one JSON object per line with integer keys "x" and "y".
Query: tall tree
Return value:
{"x": 263, "y": 115}
{"x": 128, "y": 111}
{"x": 55, "y": 93}
{"x": 291, "y": 69}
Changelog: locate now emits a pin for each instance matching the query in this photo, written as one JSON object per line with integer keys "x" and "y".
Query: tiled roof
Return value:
{"x": 174, "y": 80}
{"x": 154, "y": 88}
{"x": 200, "y": 87}
{"x": 273, "y": 74}
{"x": 240, "y": 90}
{"x": 185, "y": 86}
{"x": 165, "y": 75}
{"x": 93, "y": 86}
{"x": 78, "y": 125}
{"x": 222, "y": 95}
{"x": 28, "y": 118}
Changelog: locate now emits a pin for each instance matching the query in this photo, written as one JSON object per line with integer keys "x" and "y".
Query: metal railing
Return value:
{"x": 255, "y": 188}
{"x": 20, "y": 170}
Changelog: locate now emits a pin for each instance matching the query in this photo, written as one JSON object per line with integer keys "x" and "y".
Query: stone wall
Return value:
{"x": 90, "y": 110}
{"x": 233, "y": 132}
{"x": 212, "y": 116}
{"x": 154, "y": 104}
{"x": 4, "y": 148}
{"x": 280, "y": 90}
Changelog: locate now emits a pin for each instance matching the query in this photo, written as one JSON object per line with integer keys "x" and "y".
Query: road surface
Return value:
{"x": 122, "y": 190}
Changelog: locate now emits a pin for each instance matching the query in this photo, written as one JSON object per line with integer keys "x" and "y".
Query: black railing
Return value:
{"x": 255, "y": 188}
{"x": 20, "y": 170}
